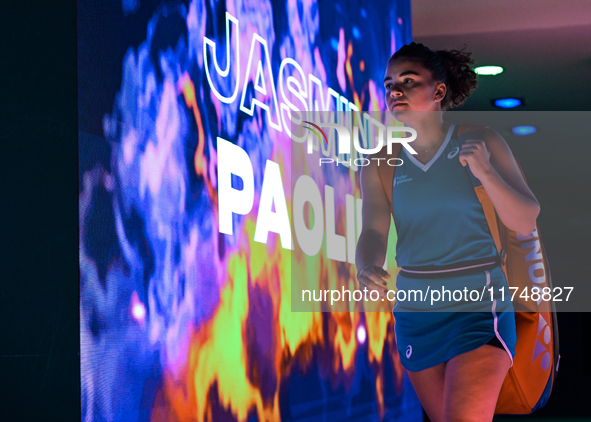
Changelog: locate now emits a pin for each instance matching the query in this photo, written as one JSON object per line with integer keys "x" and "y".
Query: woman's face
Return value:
{"x": 411, "y": 87}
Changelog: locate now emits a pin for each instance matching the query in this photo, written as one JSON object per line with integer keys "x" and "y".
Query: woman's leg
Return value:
{"x": 428, "y": 385}
{"x": 472, "y": 382}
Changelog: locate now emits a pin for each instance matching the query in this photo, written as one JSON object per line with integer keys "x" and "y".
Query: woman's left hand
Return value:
{"x": 475, "y": 154}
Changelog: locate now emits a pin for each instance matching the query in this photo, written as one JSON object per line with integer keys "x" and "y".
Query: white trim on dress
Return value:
{"x": 427, "y": 165}
{"x": 496, "y": 319}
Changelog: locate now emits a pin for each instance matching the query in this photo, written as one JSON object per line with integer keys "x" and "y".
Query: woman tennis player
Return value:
{"x": 456, "y": 361}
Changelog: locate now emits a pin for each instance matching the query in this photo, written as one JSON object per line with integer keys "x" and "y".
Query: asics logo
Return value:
{"x": 408, "y": 351}
{"x": 453, "y": 152}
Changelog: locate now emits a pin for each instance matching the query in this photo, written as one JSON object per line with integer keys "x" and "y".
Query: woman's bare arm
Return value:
{"x": 492, "y": 162}
{"x": 373, "y": 241}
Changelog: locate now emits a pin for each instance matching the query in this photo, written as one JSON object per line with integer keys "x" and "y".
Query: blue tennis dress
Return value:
{"x": 439, "y": 221}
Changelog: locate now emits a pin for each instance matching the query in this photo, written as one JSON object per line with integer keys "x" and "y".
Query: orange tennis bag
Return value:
{"x": 528, "y": 383}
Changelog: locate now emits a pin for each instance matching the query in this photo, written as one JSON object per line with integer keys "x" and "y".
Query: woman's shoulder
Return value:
{"x": 494, "y": 142}
{"x": 484, "y": 133}
{"x": 470, "y": 127}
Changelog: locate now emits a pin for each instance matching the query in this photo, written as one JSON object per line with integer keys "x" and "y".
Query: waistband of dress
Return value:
{"x": 459, "y": 268}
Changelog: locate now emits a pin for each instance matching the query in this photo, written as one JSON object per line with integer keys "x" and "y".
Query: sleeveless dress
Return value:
{"x": 439, "y": 221}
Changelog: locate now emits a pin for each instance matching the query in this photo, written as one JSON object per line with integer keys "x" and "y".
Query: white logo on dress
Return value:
{"x": 401, "y": 179}
{"x": 453, "y": 152}
{"x": 408, "y": 351}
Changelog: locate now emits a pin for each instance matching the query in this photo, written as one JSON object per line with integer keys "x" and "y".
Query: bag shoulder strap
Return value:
{"x": 464, "y": 133}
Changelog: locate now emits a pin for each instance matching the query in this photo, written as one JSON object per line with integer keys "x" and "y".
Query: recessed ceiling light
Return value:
{"x": 488, "y": 70}
{"x": 524, "y": 130}
{"x": 507, "y": 102}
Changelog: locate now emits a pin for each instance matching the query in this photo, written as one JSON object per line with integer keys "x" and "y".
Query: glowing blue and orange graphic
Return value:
{"x": 185, "y": 302}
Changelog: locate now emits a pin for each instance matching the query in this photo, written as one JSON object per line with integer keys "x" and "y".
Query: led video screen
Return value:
{"x": 185, "y": 310}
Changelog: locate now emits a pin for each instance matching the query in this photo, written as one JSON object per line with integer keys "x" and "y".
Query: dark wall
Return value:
{"x": 39, "y": 362}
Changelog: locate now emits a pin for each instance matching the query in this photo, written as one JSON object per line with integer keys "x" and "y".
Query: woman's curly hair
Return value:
{"x": 451, "y": 67}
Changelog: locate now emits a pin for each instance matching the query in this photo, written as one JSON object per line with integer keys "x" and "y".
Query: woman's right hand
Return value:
{"x": 372, "y": 277}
